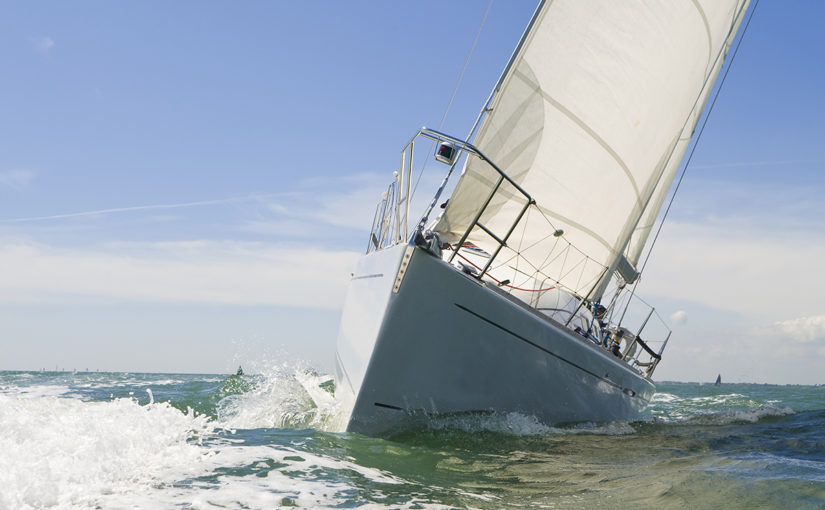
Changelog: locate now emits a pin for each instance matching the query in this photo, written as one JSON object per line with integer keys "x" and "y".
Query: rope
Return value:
{"x": 499, "y": 281}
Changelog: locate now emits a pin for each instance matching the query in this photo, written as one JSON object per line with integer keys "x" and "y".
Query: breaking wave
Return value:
{"x": 723, "y": 409}
{"x": 282, "y": 398}
{"x": 517, "y": 424}
{"x": 67, "y": 452}
{"x": 265, "y": 441}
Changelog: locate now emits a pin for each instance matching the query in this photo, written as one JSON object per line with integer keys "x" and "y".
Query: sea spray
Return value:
{"x": 79, "y": 441}
{"x": 284, "y": 396}
{"x": 66, "y": 452}
{"x": 714, "y": 409}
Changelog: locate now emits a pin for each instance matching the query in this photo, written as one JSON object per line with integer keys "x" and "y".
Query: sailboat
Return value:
{"x": 517, "y": 294}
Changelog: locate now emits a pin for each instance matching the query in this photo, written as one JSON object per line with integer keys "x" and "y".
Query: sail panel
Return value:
{"x": 648, "y": 219}
{"x": 588, "y": 121}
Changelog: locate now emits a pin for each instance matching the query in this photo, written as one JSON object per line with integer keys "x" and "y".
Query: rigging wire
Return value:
{"x": 698, "y": 137}
{"x": 500, "y": 282}
{"x": 457, "y": 85}
{"x": 466, "y": 61}
{"x": 689, "y": 158}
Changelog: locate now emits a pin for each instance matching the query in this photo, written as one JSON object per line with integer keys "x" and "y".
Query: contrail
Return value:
{"x": 135, "y": 208}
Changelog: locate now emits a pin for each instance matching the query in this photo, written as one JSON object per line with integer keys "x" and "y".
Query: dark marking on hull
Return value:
{"x": 627, "y": 391}
{"x": 387, "y": 406}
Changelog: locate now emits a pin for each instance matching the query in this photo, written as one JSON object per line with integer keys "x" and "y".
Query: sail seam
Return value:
{"x": 695, "y": 110}
{"x": 595, "y": 136}
{"x": 546, "y": 212}
{"x": 707, "y": 32}
{"x": 739, "y": 13}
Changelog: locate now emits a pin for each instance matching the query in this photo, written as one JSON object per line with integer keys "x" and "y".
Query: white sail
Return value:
{"x": 648, "y": 219}
{"x": 592, "y": 119}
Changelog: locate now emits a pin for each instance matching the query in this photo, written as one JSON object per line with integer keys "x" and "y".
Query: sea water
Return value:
{"x": 272, "y": 440}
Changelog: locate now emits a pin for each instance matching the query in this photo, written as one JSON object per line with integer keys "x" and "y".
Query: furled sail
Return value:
{"x": 592, "y": 118}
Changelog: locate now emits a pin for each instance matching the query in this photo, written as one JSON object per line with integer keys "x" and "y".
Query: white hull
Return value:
{"x": 446, "y": 343}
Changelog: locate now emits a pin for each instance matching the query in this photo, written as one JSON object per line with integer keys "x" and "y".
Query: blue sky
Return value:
{"x": 185, "y": 186}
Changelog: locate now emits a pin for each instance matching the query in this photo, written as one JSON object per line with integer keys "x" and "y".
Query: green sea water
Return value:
{"x": 270, "y": 440}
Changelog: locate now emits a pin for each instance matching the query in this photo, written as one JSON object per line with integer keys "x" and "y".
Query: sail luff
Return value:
{"x": 486, "y": 108}
{"x": 504, "y": 73}
{"x": 661, "y": 185}
{"x": 648, "y": 218}
{"x": 587, "y": 119}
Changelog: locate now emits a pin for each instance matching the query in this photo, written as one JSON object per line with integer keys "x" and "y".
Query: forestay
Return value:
{"x": 592, "y": 119}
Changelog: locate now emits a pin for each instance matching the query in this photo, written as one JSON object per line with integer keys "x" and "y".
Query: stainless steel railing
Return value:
{"x": 391, "y": 226}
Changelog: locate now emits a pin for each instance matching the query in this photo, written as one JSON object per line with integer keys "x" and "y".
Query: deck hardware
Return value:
{"x": 405, "y": 261}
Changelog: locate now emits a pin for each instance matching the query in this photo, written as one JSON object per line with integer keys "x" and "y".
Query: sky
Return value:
{"x": 185, "y": 187}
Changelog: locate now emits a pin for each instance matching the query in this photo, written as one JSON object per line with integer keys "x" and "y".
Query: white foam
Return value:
{"x": 665, "y": 397}
{"x": 131, "y": 382}
{"x": 290, "y": 397}
{"x": 723, "y": 409}
{"x": 294, "y": 482}
{"x": 67, "y": 453}
{"x": 739, "y": 416}
{"x": 35, "y": 391}
{"x": 518, "y": 424}
{"x": 284, "y": 397}
{"x": 62, "y": 452}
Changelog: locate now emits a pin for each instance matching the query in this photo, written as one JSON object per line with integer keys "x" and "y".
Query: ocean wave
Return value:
{"x": 738, "y": 416}
{"x": 125, "y": 383}
{"x": 272, "y": 476}
{"x": 722, "y": 409}
{"x": 284, "y": 397}
{"x": 519, "y": 425}
{"x": 66, "y": 452}
{"x": 35, "y": 391}
{"x": 294, "y": 397}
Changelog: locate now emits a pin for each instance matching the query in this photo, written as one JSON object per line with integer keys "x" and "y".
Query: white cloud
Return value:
{"x": 678, "y": 317}
{"x": 741, "y": 352}
{"x": 43, "y": 45}
{"x": 343, "y": 202}
{"x": 743, "y": 264}
{"x": 347, "y": 201}
{"x": 803, "y": 329}
{"x": 768, "y": 206}
{"x": 351, "y": 201}
{"x": 16, "y": 178}
{"x": 194, "y": 272}
{"x": 762, "y": 273}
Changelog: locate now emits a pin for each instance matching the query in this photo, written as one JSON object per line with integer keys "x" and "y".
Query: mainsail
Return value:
{"x": 592, "y": 118}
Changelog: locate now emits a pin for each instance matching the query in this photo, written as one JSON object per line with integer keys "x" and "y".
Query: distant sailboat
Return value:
{"x": 718, "y": 380}
{"x": 516, "y": 297}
